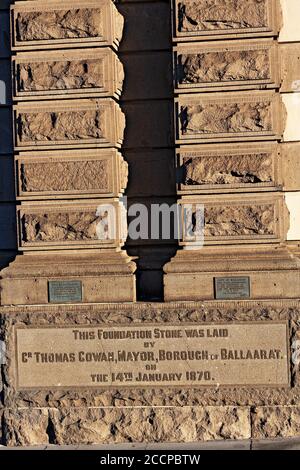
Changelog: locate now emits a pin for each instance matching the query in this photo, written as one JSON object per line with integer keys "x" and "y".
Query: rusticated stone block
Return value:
{"x": 23, "y": 428}
{"x": 206, "y": 66}
{"x": 71, "y": 174}
{"x": 230, "y": 219}
{"x": 238, "y": 116}
{"x": 119, "y": 425}
{"x": 37, "y": 25}
{"x": 96, "y": 223}
{"x": 209, "y": 19}
{"x": 165, "y": 424}
{"x": 210, "y": 168}
{"x": 270, "y": 422}
{"x": 86, "y": 72}
{"x": 69, "y": 124}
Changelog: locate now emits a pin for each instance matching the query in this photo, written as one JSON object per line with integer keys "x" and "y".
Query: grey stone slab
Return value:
{"x": 277, "y": 444}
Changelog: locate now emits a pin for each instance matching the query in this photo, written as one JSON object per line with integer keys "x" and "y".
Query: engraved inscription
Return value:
{"x": 65, "y": 176}
{"x": 227, "y": 288}
{"x": 178, "y": 355}
{"x": 59, "y": 24}
{"x": 60, "y": 75}
{"x": 65, "y": 291}
{"x": 227, "y": 15}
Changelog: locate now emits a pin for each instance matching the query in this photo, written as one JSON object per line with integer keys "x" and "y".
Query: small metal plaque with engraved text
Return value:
{"x": 65, "y": 291}
{"x": 227, "y": 288}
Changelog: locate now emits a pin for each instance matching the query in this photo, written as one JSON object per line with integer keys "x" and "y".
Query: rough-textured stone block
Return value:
{"x": 68, "y": 124}
{"x": 25, "y": 427}
{"x": 95, "y": 223}
{"x": 106, "y": 425}
{"x": 243, "y": 116}
{"x": 209, "y": 19}
{"x": 229, "y": 168}
{"x": 36, "y": 25}
{"x": 86, "y": 72}
{"x": 231, "y": 219}
{"x": 70, "y": 174}
{"x": 150, "y": 424}
{"x": 269, "y": 422}
{"x": 206, "y": 66}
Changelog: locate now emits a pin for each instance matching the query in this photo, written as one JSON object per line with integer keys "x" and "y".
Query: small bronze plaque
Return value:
{"x": 65, "y": 291}
{"x": 227, "y": 288}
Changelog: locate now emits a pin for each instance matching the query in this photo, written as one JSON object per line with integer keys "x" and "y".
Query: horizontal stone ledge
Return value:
{"x": 70, "y": 73}
{"x": 70, "y": 174}
{"x": 203, "y": 19}
{"x": 228, "y": 219}
{"x": 229, "y": 168}
{"x": 68, "y": 124}
{"x": 226, "y": 66}
{"x": 77, "y": 224}
{"x": 236, "y": 117}
{"x": 38, "y": 25}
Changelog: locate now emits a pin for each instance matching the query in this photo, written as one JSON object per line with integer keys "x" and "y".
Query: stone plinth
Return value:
{"x": 99, "y": 276}
{"x": 263, "y": 272}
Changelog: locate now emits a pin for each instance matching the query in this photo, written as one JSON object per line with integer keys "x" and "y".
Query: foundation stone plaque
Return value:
{"x": 65, "y": 291}
{"x": 155, "y": 355}
{"x": 227, "y": 288}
